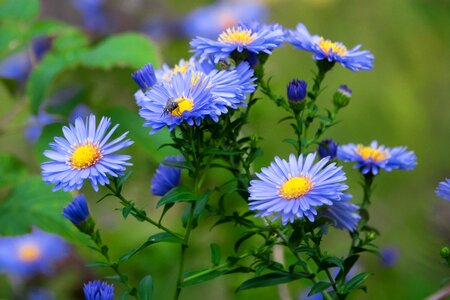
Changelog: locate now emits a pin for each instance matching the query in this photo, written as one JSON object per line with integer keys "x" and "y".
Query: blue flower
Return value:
{"x": 443, "y": 189}
{"x": 389, "y": 256}
{"x": 85, "y": 153}
{"x": 327, "y": 147}
{"x": 36, "y": 123}
{"x": 296, "y": 90}
{"x": 166, "y": 178}
{"x": 16, "y": 66}
{"x": 372, "y": 158}
{"x": 252, "y": 37}
{"x": 80, "y": 111}
{"x": 93, "y": 14}
{"x": 76, "y": 211}
{"x": 343, "y": 213}
{"x": 353, "y": 59}
{"x": 31, "y": 253}
{"x": 295, "y": 188}
{"x": 145, "y": 77}
{"x": 98, "y": 290}
{"x": 209, "y": 21}
{"x": 191, "y": 93}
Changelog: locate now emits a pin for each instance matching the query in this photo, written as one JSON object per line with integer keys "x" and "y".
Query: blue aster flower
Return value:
{"x": 190, "y": 95}
{"x": 32, "y": 253}
{"x": 296, "y": 188}
{"x": 85, "y": 153}
{"x": 443, "y": 189}
{"x": 327, "y": 147}
{"x": 353, "y": 59}
{"x": 253, "y": 37}
{"x": 209, "y": 21}
{"x": 343, "y": 213}
{"x": 166, "y": 178}
{"x": 76, "y": 211}
{"x": 373, "y": 158}
{"x": 36, "y": 123}
{"x": 296, "y": 90}
{"x": 145, "y": 77}
{"x": 98, "y": 290}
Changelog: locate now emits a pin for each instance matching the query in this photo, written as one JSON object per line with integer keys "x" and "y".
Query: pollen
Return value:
{"x": 183, "y": 105}
{"x": 371, "y": 153}
{"x": 332, "y": 47}
{"x": 29, "y": 252}
{"x": 237, "y": 35}
{"x": 295, "y": 187}
{"x": 85, "y": 156}
{"x": 180, "y": 69}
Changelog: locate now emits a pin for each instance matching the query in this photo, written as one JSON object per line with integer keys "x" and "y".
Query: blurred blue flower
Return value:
{"x": 98, "y": 290}
{"x": 373, "y": 158}
{"x": 327, "y": 147}
{"x": 145, "y": 78}
{"x": 295, "y": 188}
{"x": 296, "y": 90}
{"x": 40, "y": 45}
{"x": 389, "y": 256}
{"x": 93, "y": 14}
{"x": 209, "y": 21}
{"x": 80, "y": 111}
{"x": 166, "y": 178}
{"x": 253, "y": 37}
{"x": 40, "y": 294}
{"x": 193, "y": 91}
{"x": 85, "y": 153}
{"x": 16, "y": 66}
{"x": 36, "y": 123}
{"x": 443, "y": 189}
{"x": 31, "y": 253}
{"x": 76, "y": 211}
{"x": 353, "y": 59}
{"x": 343, "y": 213}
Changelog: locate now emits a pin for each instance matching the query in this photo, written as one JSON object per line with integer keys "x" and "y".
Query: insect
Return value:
{"x": 170, "y": 106}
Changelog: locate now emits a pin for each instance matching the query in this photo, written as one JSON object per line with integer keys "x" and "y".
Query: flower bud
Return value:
{"x": 77, "y": 210}
{"x": 296, "y": 90}
{"x": 145, "y": 77}
{"x": 326, "y": 148}
{"x": 342, "y": 96}
{"x": 445, "y": 252}
{"x": 371, "y": 235}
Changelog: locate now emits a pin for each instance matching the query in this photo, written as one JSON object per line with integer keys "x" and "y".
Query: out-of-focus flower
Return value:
{"x": 389, "y": 256}
{"x": 76, "y": 211}
{"x": 189, "y": 93}
{"x": 321, "y": 48}
{"x": 296, "y": 90}
{"x": 166, "y": 178}
{"x": 327, "y": 147}
{"x": 85, "y": 153}
{"x": 145, "y": 78}
{"x": 253, "y": 37}
{"x": 40, "y": 45}
{"x": 373, "y": 158}
{"x": 98, "y": 290}
{"x": 209, "y": 21}
{"x": 296, "y": 188}
{"x": 80, "y": 111}
{"x": 443, "y": 190}
{"x": 40, "y": 294}
{"x": 16, "y": 66}
{"x": 35, "y": 124}
{"x": 31, "y": 253}
{"x": 343, "y": 213}
{"x": 93, "y": 14}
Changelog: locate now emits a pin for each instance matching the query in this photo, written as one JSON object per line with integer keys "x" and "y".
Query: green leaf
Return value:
{"x": 98, "y": 264}
{"x": 329, "y": 262}
{"x": 11, "y": 170}
{"x": 145, "y": 288}
{"x": 122, "y": 50}
{"x": 177, "y": 194}
{"x": 193, "y": 278}
{"x": 354, "y": 283}
{"x": 153, "y": 239}
{"x": 32, "y": 203}
{"x": 270, "y": 279}
{"x": 319, "y": 287}
{"x": 215, "y": 254}
{"x": 18, "y": 10}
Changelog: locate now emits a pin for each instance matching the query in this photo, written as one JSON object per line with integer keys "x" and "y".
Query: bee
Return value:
{"x": 170, "y": 106}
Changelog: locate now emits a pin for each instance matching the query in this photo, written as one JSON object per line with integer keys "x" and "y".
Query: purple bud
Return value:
{"x": 296, "y": 90}
{"x": 326, "y": 148}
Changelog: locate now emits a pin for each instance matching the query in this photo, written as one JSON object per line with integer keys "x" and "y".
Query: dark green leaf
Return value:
{"x": 354, "y": 283}
{"x": 319, "y": 287}
{"x": 177, "y": 194}
{"x": 205, "y": 275}
{"x": 200, "y": 207}
{"x": 98, "y": 264}
{"x": 215, "y": 254}
{"x": 329, "y": 262}
{"x": 270, "y": 279}
{"x": 145, "y": 289}
{"x": 11, "y": 170}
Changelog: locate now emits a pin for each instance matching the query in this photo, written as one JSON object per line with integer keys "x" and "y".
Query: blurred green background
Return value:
{"x": 402, "y": 101}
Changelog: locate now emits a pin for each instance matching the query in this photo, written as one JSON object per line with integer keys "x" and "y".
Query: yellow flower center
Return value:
{"x": 240, "y": 36}
{"x": 328, "y": 46}
{"x": 29, "y": 252}
{"x": 183, "y": 105}
{"x": 295, "y": 187}
{"x": 368, "y": 152}
{"x": 180, "y": 69}
{"x": 85, "y": 156}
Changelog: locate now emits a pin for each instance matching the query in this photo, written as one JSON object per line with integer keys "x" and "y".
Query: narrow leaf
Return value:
{"x": 145, "y": 288}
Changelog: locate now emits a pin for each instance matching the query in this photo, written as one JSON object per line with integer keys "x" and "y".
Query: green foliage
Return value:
{"x": 271, "y": 279}
{"x": 145, "y": 288}
{"x": 19, "y": 10}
